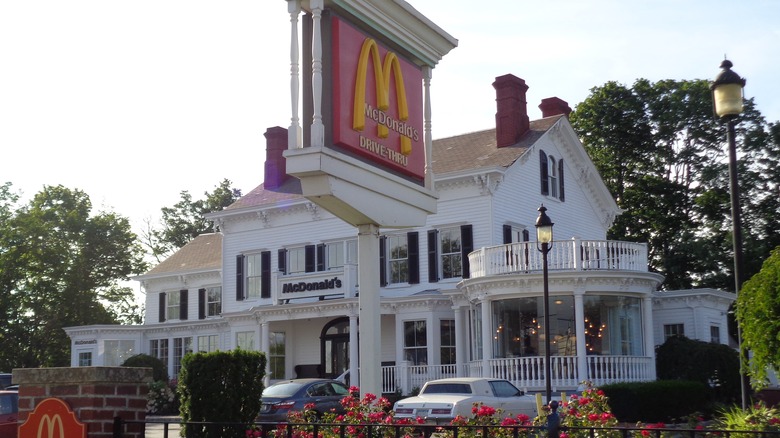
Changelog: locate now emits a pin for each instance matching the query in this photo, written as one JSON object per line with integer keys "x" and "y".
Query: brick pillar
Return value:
{"x": 95, "y": 394}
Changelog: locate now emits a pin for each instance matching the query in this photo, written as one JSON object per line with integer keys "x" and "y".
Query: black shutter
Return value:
{"x": 433, "y": 256}
{"x": 265, "y": 274}
{"x": 321, "y": 257}
{"x": 382, "y": 261}
{"x": 183, "y": 303}
{"x": 413, "y": 240}
{"x": 239, "y": 277}
{"x": 161, "y": 310}
{"x": 543, "y": 173}
{"x": 310, "y": 258}
{"x": 466, "y": 246}
{"x": 560, "y": 178}
{"x": 202, "y": 303}
{"x": 507, "y": 234}
{"x": 282, "y": 261}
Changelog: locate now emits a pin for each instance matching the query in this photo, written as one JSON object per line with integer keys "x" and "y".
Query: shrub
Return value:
{"x": 661, "y": 400}
{"x": 159, "y": 370}
{"x": 221, "y": 387}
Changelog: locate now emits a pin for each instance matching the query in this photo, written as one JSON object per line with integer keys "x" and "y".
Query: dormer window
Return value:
{"x": 551, "y": 176}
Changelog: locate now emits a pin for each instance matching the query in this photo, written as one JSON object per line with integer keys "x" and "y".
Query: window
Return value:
{"x": 416, "y": 342}
{"x": 159, "y": 349}
{"x": 208, "y": 343}
{"x": 181, "y": 346}
{"x": 715, "y": 334}
{"x": 398, "y": 259}
{"x": 450, "y": 253}
{"x": 245, "y": 340}
{"x": 551, "y": 176}
{"x": 85, "y": 359}
{"x": 209, "y": 302}
{"x": 296, "y": 260}
{"x": 276, "y": 354}
{"x": 254, "y": 275}
{"x": 117, "y": 351}
{"x": 448, "y": 250}
{"x": 447, "y": 327}
{"x": 175, "y": 305}
{"x": 673, "y": 330}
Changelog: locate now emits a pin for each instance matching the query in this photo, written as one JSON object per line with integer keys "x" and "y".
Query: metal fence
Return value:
{"x": 172, "y": 428}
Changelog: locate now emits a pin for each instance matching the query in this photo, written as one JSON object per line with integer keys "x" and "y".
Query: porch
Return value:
{"x": 527, "y": 373}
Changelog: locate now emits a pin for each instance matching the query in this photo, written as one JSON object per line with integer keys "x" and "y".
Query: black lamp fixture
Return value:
{"x": 544, "y": 238}
{"x": 727, "y": 104}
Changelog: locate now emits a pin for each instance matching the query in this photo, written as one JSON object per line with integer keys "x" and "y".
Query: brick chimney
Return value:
{"x": 553, "y": 106}
{"x": 275, "y": 164}
{"x": 511, "y": 111}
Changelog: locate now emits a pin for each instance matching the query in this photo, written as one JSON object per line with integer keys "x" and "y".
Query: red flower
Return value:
{"x": 509, "y": 421}
{"x": 593, "y": 417}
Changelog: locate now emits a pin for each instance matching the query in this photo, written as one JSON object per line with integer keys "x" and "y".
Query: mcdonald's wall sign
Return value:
{"x": 377, "y": 102}
{"x": 52, "y": 418}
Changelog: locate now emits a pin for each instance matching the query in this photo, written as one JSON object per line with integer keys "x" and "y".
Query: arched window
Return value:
{"x": 551, "y": 176}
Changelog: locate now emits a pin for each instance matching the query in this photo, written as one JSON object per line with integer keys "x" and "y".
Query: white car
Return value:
{"x": 442, "y": 400}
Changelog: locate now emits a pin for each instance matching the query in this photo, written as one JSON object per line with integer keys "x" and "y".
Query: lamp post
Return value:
{"x": 544, "y": 237}
{"x": 727, "y": 98}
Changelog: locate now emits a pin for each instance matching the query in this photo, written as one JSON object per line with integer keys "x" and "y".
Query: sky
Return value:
{"x": 136, "y": 101}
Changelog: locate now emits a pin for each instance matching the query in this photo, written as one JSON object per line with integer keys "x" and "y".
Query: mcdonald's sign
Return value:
{"x": 52, "y": 418}
{"x": 377, "y": 102}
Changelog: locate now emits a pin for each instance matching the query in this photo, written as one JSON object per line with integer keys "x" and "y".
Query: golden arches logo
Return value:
{"x": 382, "y": 73}
{"x": 51, "y": 424}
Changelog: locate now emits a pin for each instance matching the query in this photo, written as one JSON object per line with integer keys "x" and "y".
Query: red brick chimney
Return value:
{"x": 553, "y": 106}
{"x": 511, "y": 111}
{"x": 275, "y": 164}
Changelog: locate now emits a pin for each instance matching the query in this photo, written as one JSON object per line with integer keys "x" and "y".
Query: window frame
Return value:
{"x": 173, "y": 305}
{"x": 419, "y": 351}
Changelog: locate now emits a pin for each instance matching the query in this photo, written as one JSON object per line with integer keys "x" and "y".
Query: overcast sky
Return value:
{"x": 135, "y": 101}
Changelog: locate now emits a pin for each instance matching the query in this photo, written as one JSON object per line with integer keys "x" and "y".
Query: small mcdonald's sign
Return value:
{"x": 52, "y": 418}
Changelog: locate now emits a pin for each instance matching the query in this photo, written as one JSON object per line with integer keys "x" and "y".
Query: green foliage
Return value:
{"x": 758, "y": 417}
{"x": 221, "y": 387}
{"x": 591, "y": 409}
{"x": 660, "y": 400}
{"x": 159, "y": 369}
{"x": 61, "y": 264}
{"x": 186, "y": 220}
{"x": 663, "y": 157}
{"x": 681, "y": 358}
{"x": 758, "y": 312}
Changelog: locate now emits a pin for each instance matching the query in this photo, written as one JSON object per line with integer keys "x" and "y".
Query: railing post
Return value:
{"x": 576, "y": 254}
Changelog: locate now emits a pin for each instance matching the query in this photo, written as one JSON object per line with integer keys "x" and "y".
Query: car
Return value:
{"x": 279, "y": 399}
{"x": 440, "y": 401}
{"x": 5, "y": 380}
{"x": 9, "y": 414}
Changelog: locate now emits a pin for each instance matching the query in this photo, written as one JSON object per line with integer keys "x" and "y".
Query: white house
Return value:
{"x": 461, "y": 295}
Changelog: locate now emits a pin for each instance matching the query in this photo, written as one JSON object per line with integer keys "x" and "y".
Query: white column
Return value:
{"x": 647, "y": 320}
{"x": 460, "y": 340}
{"x": 369, "y": 313}
{"x": 265, "y": 347}
{"x": 317, "y": 128}
{"x": 354, "y": 371}
{"x": 426, "y": 71}
{"x": 487, "y": 338}
{"x": 294, "y": 134}
{"x": 582, "y": 349}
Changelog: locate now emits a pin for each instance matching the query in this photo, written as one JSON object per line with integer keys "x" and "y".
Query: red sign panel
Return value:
{"x": 52, "y": 418}
{"x": 377, "y": 102}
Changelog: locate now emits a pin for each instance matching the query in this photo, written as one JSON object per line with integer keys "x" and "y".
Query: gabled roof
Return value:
{"x": 463, "y": 152}
{"x": 202, "y": 253}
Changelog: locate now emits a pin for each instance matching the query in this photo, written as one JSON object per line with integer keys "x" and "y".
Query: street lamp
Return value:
{"x": 544, "y": 237}
{"x": 727, "y": 98}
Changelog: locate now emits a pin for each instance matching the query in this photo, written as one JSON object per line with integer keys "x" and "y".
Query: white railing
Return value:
{"x": 571, "y": 255}
{"x": 527, "y": 373}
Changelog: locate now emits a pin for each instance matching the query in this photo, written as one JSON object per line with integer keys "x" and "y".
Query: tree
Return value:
{"x": 61, "y": 266}
{"x": 758, "y": 313}
{"x": 185, "y": 220}
{"x": 661, "y": 154}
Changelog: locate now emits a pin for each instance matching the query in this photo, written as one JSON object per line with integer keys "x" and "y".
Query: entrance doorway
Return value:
{"x": 334, "y": 342}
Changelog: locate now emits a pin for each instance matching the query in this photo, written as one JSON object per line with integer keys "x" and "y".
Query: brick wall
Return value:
{"x": 95, "y": 394}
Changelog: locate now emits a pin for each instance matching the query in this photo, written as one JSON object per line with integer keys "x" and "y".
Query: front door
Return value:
{"x": 335, "y": 347}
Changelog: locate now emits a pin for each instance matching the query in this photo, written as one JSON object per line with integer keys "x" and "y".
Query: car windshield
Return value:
{"x": 286, "y": 389}
{"x": 447, "y": 388}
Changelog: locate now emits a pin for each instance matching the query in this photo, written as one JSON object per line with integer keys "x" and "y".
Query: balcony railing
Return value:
{"x": 526, "y": 373}
{"x": 564, "y": 255}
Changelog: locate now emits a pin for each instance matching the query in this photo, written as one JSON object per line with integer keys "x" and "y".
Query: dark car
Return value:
{"x": 292, "y": 395}
{"x": 9, "y": 414}
{"x": 5, "y": 380}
